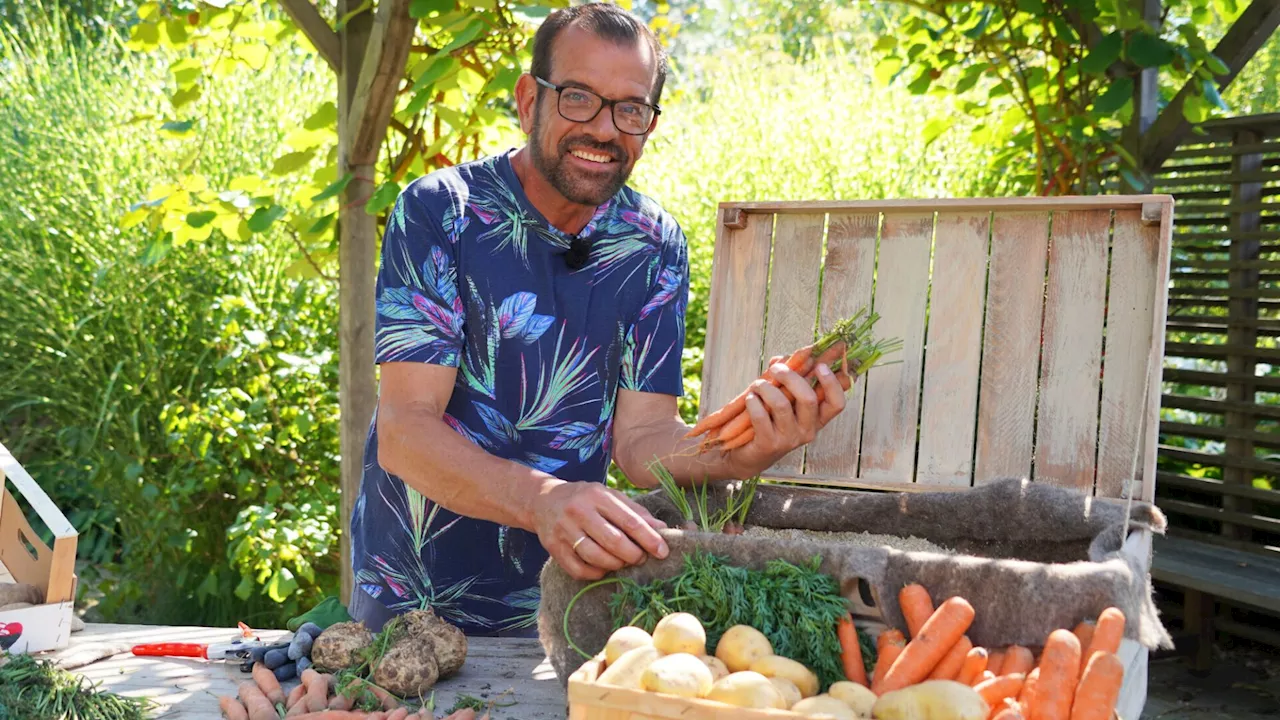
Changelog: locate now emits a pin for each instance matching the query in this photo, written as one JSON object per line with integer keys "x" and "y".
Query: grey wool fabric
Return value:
{"x": 1031, "y": 557}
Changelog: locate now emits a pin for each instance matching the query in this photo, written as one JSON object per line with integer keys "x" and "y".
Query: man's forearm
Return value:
{"x": 455, "y": 473}
{"x": 680, "y": 456}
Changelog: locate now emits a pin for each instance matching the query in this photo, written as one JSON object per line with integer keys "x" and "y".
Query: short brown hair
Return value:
{"x": 607, "y": 21}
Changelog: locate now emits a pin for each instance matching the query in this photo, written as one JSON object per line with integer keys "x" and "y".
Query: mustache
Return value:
{"x": 610, "y": 149}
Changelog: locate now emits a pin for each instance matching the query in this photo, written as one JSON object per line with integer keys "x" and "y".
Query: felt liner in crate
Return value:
{"x": 1030, "y": 557}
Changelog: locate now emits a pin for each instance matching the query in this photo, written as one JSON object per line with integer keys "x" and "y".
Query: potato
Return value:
{"x": 748, "y": 690}
{"x": 340, "y": 646}
{"x": 409, "y": 667}
{"x": 931, "y": 700}
{"x": 824, "y": 706}
{"x": 623, "y": 639}
{"x": 742, "y": 645}
{"x": 628, "y": 671}
{"x": 678, "y": 674}
{"x": 777, "y": 666}
{"x": 790, "y": 693}
{"x": 716, "y": 665}
{"x": 680, "y": 632}
{"x": 856, "y": 696}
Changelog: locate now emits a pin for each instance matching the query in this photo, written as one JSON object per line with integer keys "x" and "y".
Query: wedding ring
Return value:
{"x": 578, "y": 542}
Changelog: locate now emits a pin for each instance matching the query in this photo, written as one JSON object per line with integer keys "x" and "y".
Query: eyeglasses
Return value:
{"x": 578, "y": 105}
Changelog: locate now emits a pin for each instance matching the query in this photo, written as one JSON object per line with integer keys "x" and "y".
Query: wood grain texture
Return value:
{"x": 1127, "y": 346}
{"x": 1011, "y": 346}
{"x": 846, "y": 288}
{"x": 948, "y": 413}
{"x": 1155, "y": 356}
{"x": 893, "y": 391}
{"x": 735, "y": 311}
{"x": 1002, "y": 204}
{"x": 796, "y": 269}
{"x": 1066, "y": 417}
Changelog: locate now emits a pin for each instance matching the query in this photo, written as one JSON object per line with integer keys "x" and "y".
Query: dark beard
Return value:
{"x": 573, "y": 186}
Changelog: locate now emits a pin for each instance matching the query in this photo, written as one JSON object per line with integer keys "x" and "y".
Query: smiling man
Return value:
{"x": 530, "y": 329}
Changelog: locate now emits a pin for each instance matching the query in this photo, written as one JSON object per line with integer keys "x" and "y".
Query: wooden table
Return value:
{"x": 188, "y": 689}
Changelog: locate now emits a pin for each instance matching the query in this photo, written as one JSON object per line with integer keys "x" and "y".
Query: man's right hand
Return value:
{"x": 614, "y": 530}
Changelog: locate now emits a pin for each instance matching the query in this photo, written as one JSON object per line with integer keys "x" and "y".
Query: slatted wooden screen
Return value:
{"x": 1031, "y": 332}
{"x": 1219, "y": 458}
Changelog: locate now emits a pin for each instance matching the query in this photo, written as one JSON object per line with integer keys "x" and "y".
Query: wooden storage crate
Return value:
{"x": 25, "y": 558}
{"x": 1033, "y": 334}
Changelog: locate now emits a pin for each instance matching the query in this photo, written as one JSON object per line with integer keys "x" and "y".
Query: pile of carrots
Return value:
{"x": 847, "y": 346}
{"x": 314, "y": 698}
{"x": 1077, "y": 676}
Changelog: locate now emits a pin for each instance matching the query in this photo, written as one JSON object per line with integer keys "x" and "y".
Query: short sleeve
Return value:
{"x": 654, "y": 347}
{"x": 419, "y": 311}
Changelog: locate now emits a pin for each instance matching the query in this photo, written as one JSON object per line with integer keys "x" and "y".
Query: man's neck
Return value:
{"x": 564, "y": 215}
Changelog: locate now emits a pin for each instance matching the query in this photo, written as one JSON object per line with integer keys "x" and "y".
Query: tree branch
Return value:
{"x": 316, "y": 28}
{"x": 380, "y": 72}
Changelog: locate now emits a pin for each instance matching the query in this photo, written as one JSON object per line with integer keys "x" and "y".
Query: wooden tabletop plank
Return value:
{"x": 503, "y": 669}
{"x": 1232, "y": 574}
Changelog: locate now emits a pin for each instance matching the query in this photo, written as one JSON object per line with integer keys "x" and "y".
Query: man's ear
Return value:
{"x": 526, "y": 100}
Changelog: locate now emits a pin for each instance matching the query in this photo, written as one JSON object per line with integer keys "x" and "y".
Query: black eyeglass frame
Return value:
{"x": 604, "y": 103}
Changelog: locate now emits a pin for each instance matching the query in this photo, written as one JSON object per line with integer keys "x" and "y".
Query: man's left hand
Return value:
{"x": 781, "y": 426}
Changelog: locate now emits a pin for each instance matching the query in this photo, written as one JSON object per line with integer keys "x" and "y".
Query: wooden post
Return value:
{"x": 1146, "y": 92}
{"x": 357, "y": 231}
{"x": 1242, "y": 330}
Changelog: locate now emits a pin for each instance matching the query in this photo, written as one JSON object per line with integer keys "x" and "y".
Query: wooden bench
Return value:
{"x": 1206, "y": 571}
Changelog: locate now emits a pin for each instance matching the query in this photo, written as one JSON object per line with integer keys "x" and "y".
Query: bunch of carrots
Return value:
{"x": 1078, "y": 675}
{"x": 847, "y": 346}
{"x": 263, "y": 698}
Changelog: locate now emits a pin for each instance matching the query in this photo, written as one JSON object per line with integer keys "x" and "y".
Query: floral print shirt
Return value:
{"x": 473, "y": 277}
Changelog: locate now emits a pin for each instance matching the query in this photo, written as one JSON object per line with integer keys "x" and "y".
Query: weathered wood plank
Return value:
{"x": 1128, "y": 337}
{"x": 1249, "y": 578}
{"x": 796, "y": 269}
{"x": 736, "y": 310}
{"x": 1002, "y": 204}
{"x": 1066, "y": 418}
{"x": 846, "y": 288}
{"x": 893, "y": 391}
{"x": 187, "y": 689}
{"x": 1011, "y": 346}
{"x": 950, "y": 400}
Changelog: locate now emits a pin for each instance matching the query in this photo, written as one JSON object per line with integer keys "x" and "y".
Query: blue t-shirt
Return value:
{"x": 472, "y": 276}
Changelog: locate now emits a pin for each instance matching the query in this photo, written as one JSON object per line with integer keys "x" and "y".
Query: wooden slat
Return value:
{"x": 846, "y": 287}
{"x": 929, "y": 205}
{"x": 1204, "y": 351}
{"x": 1212, "y": 328}
{"x": 1244, "y": 322}
{"x": 950, "y": 400}
{"x": 1185, "y": 210}
{"x": 1220, "y": 179}
{"x": 893, "y": 391}
{"x": 735, "y": 311}
{"x": 1128, "y": 336}
{"x": 793, "y": 297}
{"x": 1213, "y": 379}
{"x": 1155, "y": 357}
{"x": 1229, "y": 264}
{"x": 1066, "y": 418}
{"x": 1250, "y": 578}
{"x": 1207, "y": 405}
{"x": 1252, "y": 520}
{"x": 1216, "y": 432}
{"x": 1180, "y": 238}
{"x": 1247, "y": 149}
{"x": 1011, "y": 346}
{"x": 1185, "y": 292}
{"x": 1214, "y": 486}
{"x": 1271, "y": 469}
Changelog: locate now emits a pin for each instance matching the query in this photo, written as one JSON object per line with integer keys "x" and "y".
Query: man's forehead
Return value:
{"x": 617, "y": 68}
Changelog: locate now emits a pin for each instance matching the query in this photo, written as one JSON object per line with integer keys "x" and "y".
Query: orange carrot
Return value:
{"x": 399, "y": 713}
{"x": 891, "y": 636}
{"x": 1084, "y": 631}
{"x": 995, "y": 690}
{"x": 259, "y": 707}
{"x": 1009, "y": 711}
{"x": 1028, "y": 688}
{"x": 341, "y": 702}
{"x": 317, "y": 695}
{"x": 851, "y": 651}
{"x": 923, "y": 653}
{"x": 739, "y": 431}
{"x": 950, "y": 665}
{"x": 1099, "y": 688}
{"x": 1107, "y": 635}
{"x": 294, "y": 695}
{"x": 888, "y": 651}
{"x": 266, "y": 680}
{"x": 916, "y": 606}
{"x": 232, "y": 709}
{"x": 995, "y": 661}
{"x": 1059, "y": 673}
{"x": 1017, "y": 659}
{"x": 800, "y": 361}
{"x": 975, "y": 662}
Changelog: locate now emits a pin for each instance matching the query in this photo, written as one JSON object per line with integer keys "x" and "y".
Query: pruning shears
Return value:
{"x": 239, "y": 648}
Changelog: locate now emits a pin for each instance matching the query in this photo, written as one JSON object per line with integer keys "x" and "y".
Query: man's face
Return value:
{"x": 588, "y": 162}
